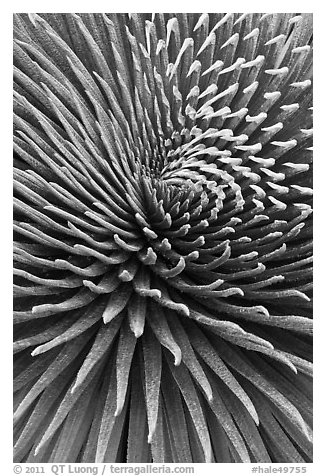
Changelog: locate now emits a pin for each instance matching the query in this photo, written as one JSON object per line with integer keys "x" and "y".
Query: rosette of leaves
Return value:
{"x": 162, "y": 233}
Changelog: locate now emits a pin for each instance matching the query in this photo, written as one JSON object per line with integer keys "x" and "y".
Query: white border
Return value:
{"x": 6, "y": 193}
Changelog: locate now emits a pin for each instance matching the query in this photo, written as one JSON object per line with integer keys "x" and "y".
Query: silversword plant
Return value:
{"x": 163, "y": 237}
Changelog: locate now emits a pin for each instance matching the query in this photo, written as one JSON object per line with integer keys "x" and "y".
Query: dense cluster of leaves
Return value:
{"x": 162, "y": 237}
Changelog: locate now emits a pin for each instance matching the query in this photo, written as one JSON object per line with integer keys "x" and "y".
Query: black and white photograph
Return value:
{"x": 162, "y": 244}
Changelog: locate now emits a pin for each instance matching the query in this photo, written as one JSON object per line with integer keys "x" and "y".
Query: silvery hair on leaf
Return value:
{"x": 162, "y": 237}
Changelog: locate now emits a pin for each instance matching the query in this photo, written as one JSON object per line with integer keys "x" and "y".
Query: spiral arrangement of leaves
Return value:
{"x": 163, "y": 237}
